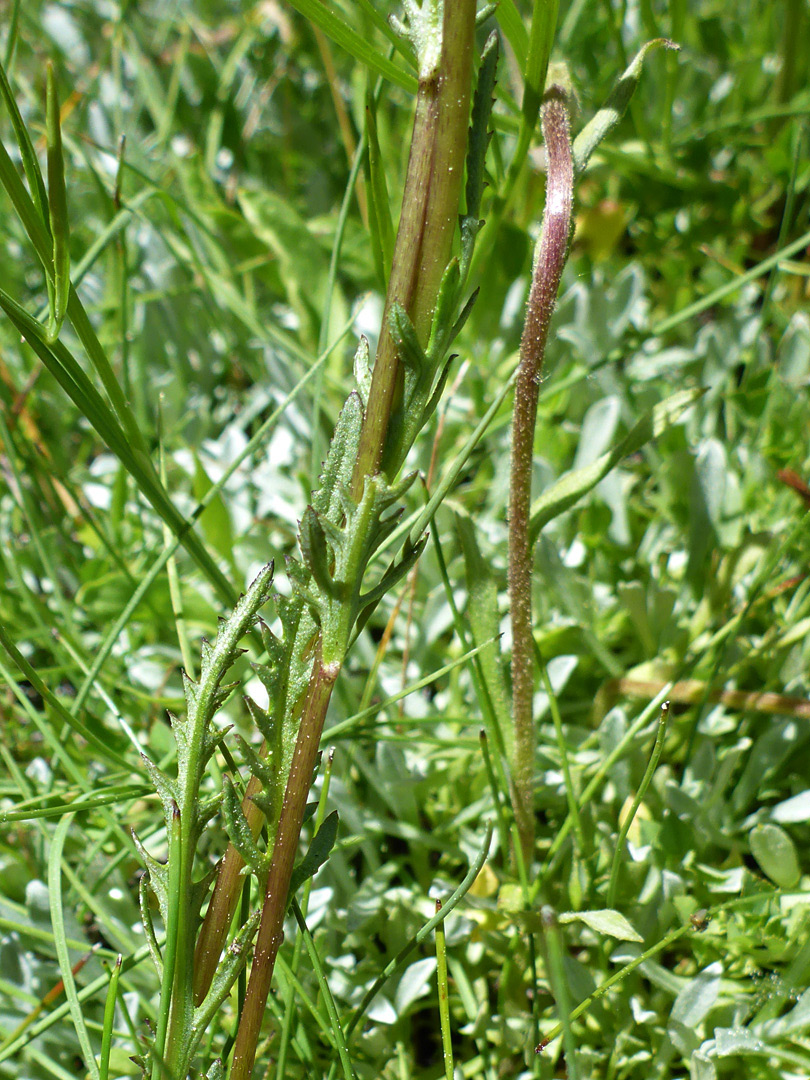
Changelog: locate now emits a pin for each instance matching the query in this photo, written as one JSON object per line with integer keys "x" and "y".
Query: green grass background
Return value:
{"x": 208, "y": 281}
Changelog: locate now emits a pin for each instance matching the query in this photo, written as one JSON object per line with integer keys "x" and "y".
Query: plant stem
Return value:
{"x": 278, "y": 881}
{"x": 170, "y": 946}
{"x": 428, "y": 220}
{"x": 227, "y": 889}
{"x": 550, "y": 256}
{"x": 423, "y": 246}
{"x": 541, "y": 39}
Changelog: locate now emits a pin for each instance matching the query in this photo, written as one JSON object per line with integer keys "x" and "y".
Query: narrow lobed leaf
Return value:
{"x": 616, "y": 105}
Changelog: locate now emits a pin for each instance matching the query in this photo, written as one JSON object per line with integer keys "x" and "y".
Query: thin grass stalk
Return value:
{"x": 337, "y": 1033}
{"x": 559, "y": 986}
{"x": 444, "y": 997}
{"x": 63, "y": 956}
{"x": 652, "y": 765}
{"x": 543, "y": 27}
{"x": 570, "y": 791}
{"x": 109, "y": 1019}
{"x": 400, "y": 961}
{"x": 549, "y": 261}
{"x": 661, "y": 945}
{"x": 605, "y": 765}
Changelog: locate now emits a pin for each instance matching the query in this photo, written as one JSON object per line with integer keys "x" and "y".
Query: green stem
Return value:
{"x": 182, "y": 1000}
{"x": 170, "y": 945}
{"x": 541, "y": 39}
{"x": 544, "y": 24}
{"x": 427, "y": 224}
{"x": 109, "y": 1018}
{"x": 550, "y": 256}
{"x": 570, "y": 792}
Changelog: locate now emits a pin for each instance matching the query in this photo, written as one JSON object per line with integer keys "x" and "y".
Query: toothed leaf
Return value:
{"x": 232, "y": 962}
{"x": 393, "y": 493}
{"x": 404, "y": 335}
{"x": 314, "y": 603}
{"x": 163, "y": 784}
{"x": 274, "y": 648}
{"x": 394, "y": 574}
{"x": 158, "y": 877}
{"x": 316, "y": 551}
{"x": 206, "y": 652}
{"x": 191, "y": 691}
{"x": 259, "y": 768}
{"x": 206, "y": 810}
{"x": 212, "y": 740}
{"x": 236, "y": 825}
{"x": 479, "y": 126}
{"x": 269, "y": 804}
{"x": 334, "y": 534}
{"x": 264, "y": 721}
{"x": 339, "y": 464}
{"x": 436, "y": 396}
{"x": 443, "y": 312}
{"x": 466, "y": 311}
{"x": 216, "y": 1071}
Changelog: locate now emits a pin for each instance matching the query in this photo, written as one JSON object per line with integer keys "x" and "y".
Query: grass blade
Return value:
{"x": 74, "y": 381}
{"x": 33, "y": 173}
{"x": 328, "y": 17}
{"x": 57, "y": 210}
{"x": 514, "y": 31}
{"x": 63, "y": 955}
{"x": 652, "y": 765}
{"x": 401, "y": 959}
{"x": 444, "y": 1000}
{"x": 337, "y": 1033}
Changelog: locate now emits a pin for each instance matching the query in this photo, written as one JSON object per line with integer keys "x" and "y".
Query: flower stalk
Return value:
{"x": 550, "y": 257}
